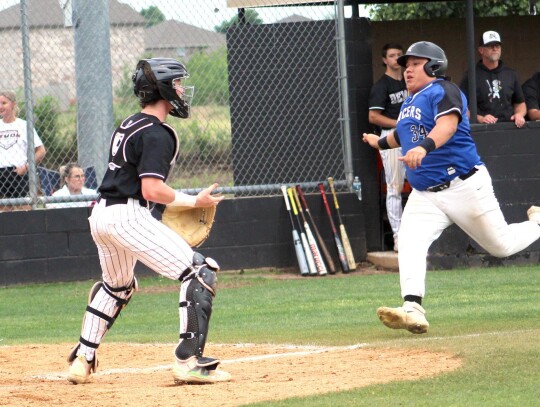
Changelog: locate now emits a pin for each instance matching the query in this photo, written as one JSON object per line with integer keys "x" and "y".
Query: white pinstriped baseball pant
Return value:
{"x": 394, "y": 172}
{"x": 470, "y": 204}
{"x": 125, "y": 234}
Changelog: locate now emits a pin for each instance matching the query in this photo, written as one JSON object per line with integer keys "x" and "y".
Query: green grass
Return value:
{"x": 487, "y": 317}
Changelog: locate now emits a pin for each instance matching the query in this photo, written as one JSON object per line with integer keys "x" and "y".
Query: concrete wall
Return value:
{"x": 56, "y": 245}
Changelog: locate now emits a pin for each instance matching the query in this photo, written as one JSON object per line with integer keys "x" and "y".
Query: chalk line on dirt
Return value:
{"x": 311, "y": 350}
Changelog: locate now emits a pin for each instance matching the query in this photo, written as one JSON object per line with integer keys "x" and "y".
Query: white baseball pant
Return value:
{"x": 125, "y": 234}
{"x": 470, "y": 204}
{"x": 394, "y": 171}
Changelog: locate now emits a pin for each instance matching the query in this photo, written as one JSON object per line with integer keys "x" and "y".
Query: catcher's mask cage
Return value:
{"x": 437, "y": 63}
{"x": 160, "y": 78}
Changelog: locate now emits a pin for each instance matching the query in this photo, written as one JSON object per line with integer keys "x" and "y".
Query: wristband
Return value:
{"x": 383, "y": 143}
{"x": 181, "y": 199}
{"x": 428, "y": 144}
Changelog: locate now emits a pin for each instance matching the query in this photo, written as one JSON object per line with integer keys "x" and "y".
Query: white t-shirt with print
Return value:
{"x": 64, "y": 191}
{"x": 14, "y": 143}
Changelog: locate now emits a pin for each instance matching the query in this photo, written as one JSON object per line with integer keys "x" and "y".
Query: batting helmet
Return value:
{"x": 153, "y": 80}
{"x": 437, "y": 63}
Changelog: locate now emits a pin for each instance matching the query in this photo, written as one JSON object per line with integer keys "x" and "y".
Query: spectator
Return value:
{"x": 73, "y": 178}
{"x": 385, "y": 100}
{"x": 498, "y": 91}
{"x": 13, "y": 151}
{"x": 531, "y": 90}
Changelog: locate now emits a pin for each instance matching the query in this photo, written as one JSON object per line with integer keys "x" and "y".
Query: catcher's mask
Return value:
{"x": 437, "y": 63}
{"x": 161, "y": 78}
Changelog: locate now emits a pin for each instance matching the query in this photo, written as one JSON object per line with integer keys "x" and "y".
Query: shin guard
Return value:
{"x": 197, "y": 292}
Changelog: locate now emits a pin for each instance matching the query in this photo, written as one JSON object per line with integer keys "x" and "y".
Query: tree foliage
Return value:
{"x": 208, "y": 72}
{"x": 252, "y": 17}
{"x": 152, "y": 15}
{"x": 447, "y": 9}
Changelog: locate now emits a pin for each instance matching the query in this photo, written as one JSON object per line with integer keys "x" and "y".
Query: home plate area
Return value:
{"x": 140, "y": 374}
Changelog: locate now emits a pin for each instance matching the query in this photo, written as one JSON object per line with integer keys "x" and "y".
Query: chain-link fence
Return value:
{"x": 266, "y": 110}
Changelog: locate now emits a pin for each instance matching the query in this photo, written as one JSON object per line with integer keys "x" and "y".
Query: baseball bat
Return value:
{"x": 309, "y": 256}
{"x": 322, "y": 243}
{"x": 337, "y": 240}
{"x": 343, "y": 232}
{"x": 300, "y": 256}
{"x": 317, "y": 258}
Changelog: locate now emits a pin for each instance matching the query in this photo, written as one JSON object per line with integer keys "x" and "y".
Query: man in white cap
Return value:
{"x": 498, "y": 91}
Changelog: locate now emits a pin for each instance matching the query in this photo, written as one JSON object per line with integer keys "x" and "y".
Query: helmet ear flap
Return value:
{"x": 431, "y": 68}
{"x": 144, "y": 82}
{"x": 436, "y": 68}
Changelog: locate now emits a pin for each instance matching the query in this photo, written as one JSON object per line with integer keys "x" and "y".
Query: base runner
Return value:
{"x": 142, "y": 153}
{"x": 450, "y": 182}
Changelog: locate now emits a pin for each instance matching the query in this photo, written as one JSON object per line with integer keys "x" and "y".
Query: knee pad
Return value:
{"x": 122, "y": 296}
{"x": 197, "y": 292}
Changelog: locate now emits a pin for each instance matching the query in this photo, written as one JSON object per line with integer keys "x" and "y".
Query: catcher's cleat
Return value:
{"x": 534, "y": 214}
{"x": 198, "y": 370}
{"x": 410, "y": 316}
{"x": 79, "y": 370}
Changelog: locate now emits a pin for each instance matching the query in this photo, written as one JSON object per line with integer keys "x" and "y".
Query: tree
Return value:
{"x": 447, "y": 9}
{"x": 210, "y": 77}
{"x": 152, "y": 15}
{"x": 252, "y": 17}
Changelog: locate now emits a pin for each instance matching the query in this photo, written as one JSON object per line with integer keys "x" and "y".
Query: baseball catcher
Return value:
{"x": 142, "y": 152}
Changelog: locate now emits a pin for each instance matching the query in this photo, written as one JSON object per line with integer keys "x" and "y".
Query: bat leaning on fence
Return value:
{"x": 307, "y": 250}
{"x": 322, "y": 244}
{"x": 300, "y": 255}
{"x": 317, "y": 258}
{"x": 343, "y": 232}
{"x": 337, "y": 240}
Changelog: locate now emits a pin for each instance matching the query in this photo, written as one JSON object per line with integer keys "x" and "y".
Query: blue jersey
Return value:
{"x": 417, "y": 118}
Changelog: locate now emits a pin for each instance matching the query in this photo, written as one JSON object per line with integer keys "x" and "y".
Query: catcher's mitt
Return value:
{"x": 192, "y": 224}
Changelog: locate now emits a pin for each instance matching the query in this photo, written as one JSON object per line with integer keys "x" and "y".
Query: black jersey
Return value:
{"x": 531, "y": 91}
{"x": 142, "y": 146}
{"x": 387, "y": 95}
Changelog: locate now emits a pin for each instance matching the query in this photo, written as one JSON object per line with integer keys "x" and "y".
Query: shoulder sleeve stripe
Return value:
{"x": 151, "y": 175}
{"x": 446, "y": 112}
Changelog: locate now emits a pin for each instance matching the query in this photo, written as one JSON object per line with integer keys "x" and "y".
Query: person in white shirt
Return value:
{"x": 13, "y": 150}
{"x": 73, "y": 178}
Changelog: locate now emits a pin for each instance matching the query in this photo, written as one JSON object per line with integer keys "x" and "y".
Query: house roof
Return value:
{"x": 293, "y": 18}
{"x": 267, "y": 3}
{"x": 47, "y": 13}
{"x": 173, "y": 34}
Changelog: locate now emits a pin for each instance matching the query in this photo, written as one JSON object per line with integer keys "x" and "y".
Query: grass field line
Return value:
{"x": 451, "y": 337}
{"x": 307, "y": 350}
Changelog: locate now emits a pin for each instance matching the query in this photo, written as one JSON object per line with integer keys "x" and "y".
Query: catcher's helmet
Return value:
{"x": 437, "y": 63}
{"x": 153, "y": 80}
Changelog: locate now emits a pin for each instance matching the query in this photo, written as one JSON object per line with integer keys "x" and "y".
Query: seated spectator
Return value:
{"x": 73, "y": 178}
{"x": 498, "y": 91}
{"x": 531, "y": 90}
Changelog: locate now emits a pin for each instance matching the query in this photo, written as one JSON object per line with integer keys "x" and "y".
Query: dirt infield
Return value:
{"x": 140, "y": 374}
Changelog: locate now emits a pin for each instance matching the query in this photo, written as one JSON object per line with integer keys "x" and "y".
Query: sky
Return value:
{"x": 209, "y": 13}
